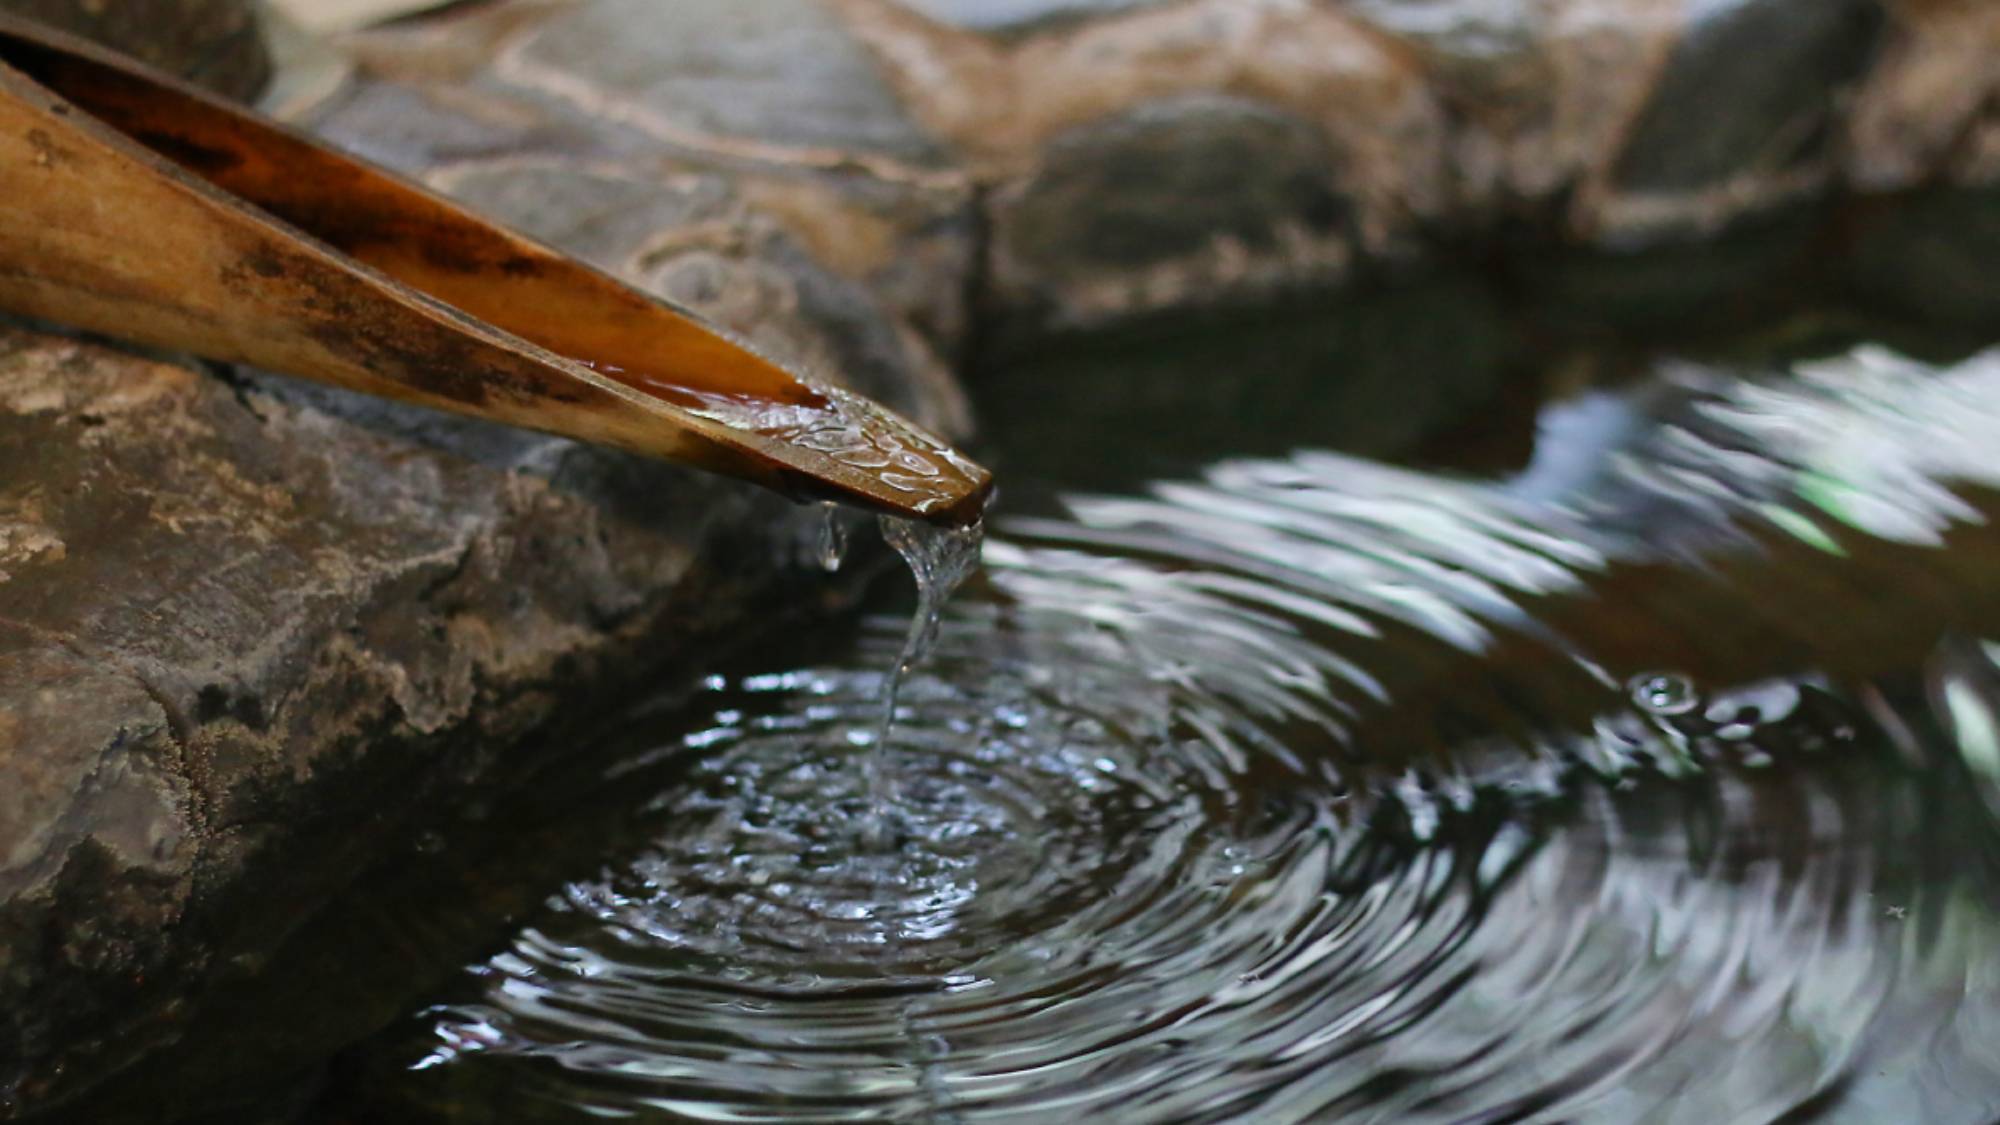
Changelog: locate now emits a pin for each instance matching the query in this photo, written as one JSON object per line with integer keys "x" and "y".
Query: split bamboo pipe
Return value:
{"x": 137, "y": 206}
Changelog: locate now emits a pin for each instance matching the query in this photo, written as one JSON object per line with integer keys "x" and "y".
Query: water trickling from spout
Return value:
{"x": 940, "y": 559}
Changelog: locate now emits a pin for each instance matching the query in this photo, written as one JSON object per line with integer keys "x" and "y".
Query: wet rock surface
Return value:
{"x": 215, "y": 43}
{"x": 1750, "y": 87}
{"x": 1168, "y": 202}
{"x": 1747, "y": 106}
{"x": 783, "y": 71}
{"x": 975, "y": 165}
{"x": 1596, "y": 128}
{"x": 249, "y": 627}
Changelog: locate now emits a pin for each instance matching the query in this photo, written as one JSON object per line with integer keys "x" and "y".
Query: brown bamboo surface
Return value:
{"x": 137, "y": 206}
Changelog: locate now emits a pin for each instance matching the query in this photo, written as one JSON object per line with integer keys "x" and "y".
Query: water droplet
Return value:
{"x": 832, "y": 539}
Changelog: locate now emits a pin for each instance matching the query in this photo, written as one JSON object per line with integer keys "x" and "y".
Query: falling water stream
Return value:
{"x": 940, "y": 559}
{"x": 832, "y": 538}
{"x": 1657, "y": 778}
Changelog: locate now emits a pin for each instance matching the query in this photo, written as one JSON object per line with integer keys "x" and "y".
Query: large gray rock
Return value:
{"x": 761, "y": 134}
{"x": 919, "y": 147}
{"x": 211, "y": 42}
{"x": 948, "y": 154}
{"x": 1301, "y": 108}
{"x": 1167, "y": 204}
{"x": 1592, "y": 126}
{"x": 245, "y": 625}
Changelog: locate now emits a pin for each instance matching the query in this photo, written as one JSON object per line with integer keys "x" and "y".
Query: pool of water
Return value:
{"x": 1656, "y": 777}
{"x": 1412, "y": 713}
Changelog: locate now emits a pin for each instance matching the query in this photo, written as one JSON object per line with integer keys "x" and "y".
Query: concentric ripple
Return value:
{"x": 1662, "y": 783}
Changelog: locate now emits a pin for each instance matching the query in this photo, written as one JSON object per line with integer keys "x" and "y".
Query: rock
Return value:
{"x": 1171, "y": 205}
{"x": 940, "y": 152}
{"x": 1751, "y": 85}
{"x": 1541, "y": 90}
{"x": 211, "y": 42}
{"x": 512, "y": 89}
{"x": 1927, "y": 104}
{"x": 1744, "y": 115}
{"x": 692, "y": 242}
{"x": 1932, "y": 258}
{"x": 1017, "y": 16}
{"x": 1356, "y": 137}
{"x": 780, "y": 73}
{"x": 245, "y": 624}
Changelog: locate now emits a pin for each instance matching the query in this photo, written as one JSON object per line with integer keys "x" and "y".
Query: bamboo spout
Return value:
{"x": 135, "y": 205}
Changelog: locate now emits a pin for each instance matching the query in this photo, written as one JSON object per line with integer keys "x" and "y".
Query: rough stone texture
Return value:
{"x": 1174, "y": 200}
{"x": 1598, "y": 125}
{"x": 972, "y": 162}
{"x": 212, "y": 42}
{"x": 513, "y": 87}
{"x": 781, "y": 70}
{"x": 231, "y": 607}
{"x": 1029, "y": 112}
{"x": 923, "y": 147}
{"x": 1743, "y": 115}
{"x": 1749, "y": 88}
{"x": 1929, "y": 105}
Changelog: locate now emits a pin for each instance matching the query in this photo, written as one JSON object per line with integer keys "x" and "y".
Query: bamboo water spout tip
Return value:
{"x": 141, "y": 207}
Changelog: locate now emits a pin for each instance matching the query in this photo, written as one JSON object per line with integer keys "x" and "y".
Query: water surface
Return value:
{"x": 1654, "y": 778}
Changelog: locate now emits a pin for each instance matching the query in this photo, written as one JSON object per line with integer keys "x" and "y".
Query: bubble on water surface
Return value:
{"x": 1665, "y": 693}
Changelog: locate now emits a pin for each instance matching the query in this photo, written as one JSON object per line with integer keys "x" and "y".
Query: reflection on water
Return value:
{"x": 1658, "y": 781}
